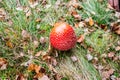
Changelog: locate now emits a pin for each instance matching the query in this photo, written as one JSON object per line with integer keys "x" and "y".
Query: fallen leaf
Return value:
{"x": 115, "y": 27}
{"x": 20, "y": 77}
{"x": 38, "y": 53}
{"x": 44, "y": 77}
{"x": 43, "y": 40}
{"x": 38, "y": 75}
{"x": 42, "y": 70}
{"x": 111, "y": 71}
{"x": 37, "y": 68}
{"x": 82, "y": 24}
{"x": 90, "y": 49}
{"x": 117, "y": 48}
{"x": 118, "y": 43}
{"x": 33, "y": 3}
{"x": 80, "y": 39}
{"x": 115, "y": 58}
{"x": 25, "y": 34}
{"x": 118, "y": 31}
{"x": 105, "y": 75}
{"x": 111, "y": 54}
{"x": 91, "y": 22}
{"x": 3, "y": 64}
{"x": 74, "y": 58}
{"x": 46, "y": 58}
{"x": 76, "y": 15}
{"x": 31, "y": 67}
{"x": 36, "y": 43}
{"x": 74, "y": 3}
{"x": 95, "y": 60}
{"x": 53, "y": 61}
{"x": 38, "y": 20}
{"x": 58, "y": 77}
{"x": 103, "y": 26}
{"x": 52, "y": 68}
{"x": 3, "y": 14}
{"x": 109, "y": 6}
{"x": 104, "y": 55}
{"x": 9, "y": 44}
{"x": 117, "y": 14}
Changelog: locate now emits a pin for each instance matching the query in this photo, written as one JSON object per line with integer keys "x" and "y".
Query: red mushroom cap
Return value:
{"x": 62, "y": 36}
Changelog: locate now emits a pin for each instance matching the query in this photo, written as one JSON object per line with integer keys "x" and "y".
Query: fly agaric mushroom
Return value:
{"x": 62, "y": 36}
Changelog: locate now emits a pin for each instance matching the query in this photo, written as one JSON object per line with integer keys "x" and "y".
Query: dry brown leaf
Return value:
{"x": 31, "y": 67}
{"x": 115, "y": 58}
{"x": 53, "y": 61}
{"x": 80, "y": 39}
{"x": 117, "y": 48}
{"x": 91, "y": 22}
{"x": 115, "y": 26}
{"x": 44, "y": 77}
{"x": 103, "y": 26}
{"x": 33, "y": 3}
{"x": 58, "y": 77}
{"x": 117, "y": 14}
{"x": 74, "y": 3}
{"x": 25, "y": 34}
{"x": 82, "y": 24}
{"x": 3, "y": 63}
{"x": 38, "y": 53}
{"x": 118, "y": 43}
{"x": 76, "y": 15}
{"x": 42, "y": 70}
{"x": 9, "y": 44}
{"x": 3, "y": 14}
{"x": 38, "y": 69}
{"x": 111, "y": 54}
{"x": 38, "y": 20}
{"x": 118, "y": 31}
{"x": 38, "y": 75}
{"x": 107, "y": 74}
{"x": 36, "y": 43}
{"x": 46, "y": 58}
{"x": 95, "y": 60}
{"x": 90, "y": 49}
{"x": 20, "y": 77}
{"x": 43, "y": 40}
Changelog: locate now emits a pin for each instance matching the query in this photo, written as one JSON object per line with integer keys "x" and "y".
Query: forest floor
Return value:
{"x": 25, "y": 26}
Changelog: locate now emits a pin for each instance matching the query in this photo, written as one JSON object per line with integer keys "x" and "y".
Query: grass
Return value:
{"x": 80, "y": 70}
{"x": 97, "y": 11}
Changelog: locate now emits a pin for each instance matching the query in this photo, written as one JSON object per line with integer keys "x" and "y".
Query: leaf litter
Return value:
{"x": 40, "y": 72}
